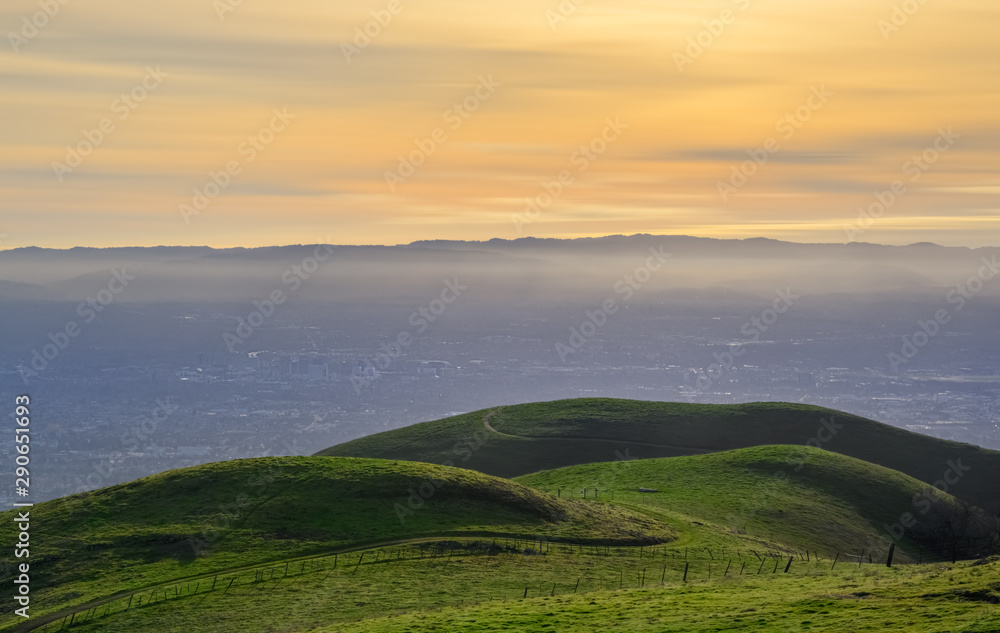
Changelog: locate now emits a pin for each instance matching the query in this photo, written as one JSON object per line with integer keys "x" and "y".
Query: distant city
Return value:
{"x": 155, "y": 385}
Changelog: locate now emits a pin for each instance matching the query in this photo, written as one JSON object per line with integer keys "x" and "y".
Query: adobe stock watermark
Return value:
{"x": 454, "y": 117}
{"x": 225, "y": 7}
{"x": 248, "y": 150}
{"x": 598, "y": 318}
{"x": 752, "y": 330}
{"x": 364, "y": 35}
{"x": 420, "y": 319}
{"x": 32, "y": 26}
{"x": 581, "y": 159}
{"x": 88, "y": 310}
{"x": 123, "y": 106}
{"x": 563, "y": 12}
{"x": 899, "y": 17}
{"x": 787, "y": 125}
{"x": 464, "y": 449}
{"x": 915, "y": 168}
{"x": 250, "y": 497}
{"x": 958, "y": 297}
{"x": 827, "y": 430}
{"x": 131, "y": 440}
{"x": 292, "y": 279}
{"x": 924, "y": 501}
{"x": 704, "y": 39}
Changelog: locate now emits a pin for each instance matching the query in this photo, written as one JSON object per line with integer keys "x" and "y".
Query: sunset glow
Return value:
{"x": 494, "y": 101}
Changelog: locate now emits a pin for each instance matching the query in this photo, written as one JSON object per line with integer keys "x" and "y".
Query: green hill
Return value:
{"x": 802, "y": 497}
{"x": 521, "y": 439}
{"x": 227, "y": 515}
{"x": 316, "y": 543}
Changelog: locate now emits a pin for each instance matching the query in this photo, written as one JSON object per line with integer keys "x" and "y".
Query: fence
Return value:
{"x": 640, "y": 566}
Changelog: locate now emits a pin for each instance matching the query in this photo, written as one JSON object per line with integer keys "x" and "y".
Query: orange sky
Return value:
{"x": 538, "y": 80}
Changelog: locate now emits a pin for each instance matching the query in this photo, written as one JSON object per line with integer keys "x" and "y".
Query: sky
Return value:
{"x": 249, "y": 123}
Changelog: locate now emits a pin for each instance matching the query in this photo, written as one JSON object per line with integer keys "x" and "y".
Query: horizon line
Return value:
{"x": 497, "y": 239}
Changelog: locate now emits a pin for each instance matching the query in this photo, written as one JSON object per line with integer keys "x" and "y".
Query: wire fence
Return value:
{"x": 639, "y": 566}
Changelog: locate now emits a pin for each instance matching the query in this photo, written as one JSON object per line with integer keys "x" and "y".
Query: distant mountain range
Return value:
{"x": 570, "y": 268}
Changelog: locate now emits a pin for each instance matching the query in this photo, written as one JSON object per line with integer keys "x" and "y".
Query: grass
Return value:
{"x": 198, "y": 521}
{"x": 546, "y": 435}
{"x": 568, "y": 588}
{"x": 917, "y": 599}
{"x": 800, "y": 497}
{"x": 338, "y": 543}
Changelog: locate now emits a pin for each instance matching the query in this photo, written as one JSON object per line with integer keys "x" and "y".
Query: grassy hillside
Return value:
{"x": 801, "y": 497}
{"x": 226, "y": 515}
{"x": 297, "y": 552}
{"x": 420, "y": 591}
{"x": 924, "y": 599}
{"x": 527, "y": 438}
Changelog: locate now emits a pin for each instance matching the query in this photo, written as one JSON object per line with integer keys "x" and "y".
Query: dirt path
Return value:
{"x": 561, "y": 438}
{"x": 489, "y": 427}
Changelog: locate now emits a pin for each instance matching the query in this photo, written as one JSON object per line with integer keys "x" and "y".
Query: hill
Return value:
{"x": 802, "y": 497}
{"x": 316, "y": 543}
{"x": 517, "y": 440}
{"x": 223, "y": 516}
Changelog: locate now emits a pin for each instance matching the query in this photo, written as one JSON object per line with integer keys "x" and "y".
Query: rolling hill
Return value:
{"x": 206, "y": 519}
{"x": 521, "y": 439}
{"x": 319, "y": 543}
{"x": 742, "y": 521}
{"x": 802, "y": 497}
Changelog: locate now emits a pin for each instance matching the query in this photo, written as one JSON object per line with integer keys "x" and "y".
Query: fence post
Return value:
{"x": 727, "y": 567}
{"x": 892, "y": 549}
{"x": 835, "y": 559}
{"x": 686, "y": 565}
{"x": 789, "y": 565}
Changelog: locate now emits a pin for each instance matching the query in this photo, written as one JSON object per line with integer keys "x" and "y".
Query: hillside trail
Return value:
{"x": 489, "y": 427}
